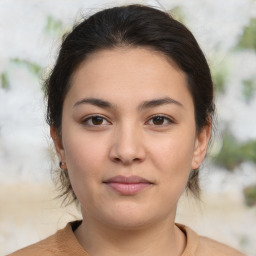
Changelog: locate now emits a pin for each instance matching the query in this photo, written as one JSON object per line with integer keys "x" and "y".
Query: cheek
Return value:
{"x": 173, "y": 153}
{"x": 172, "y": 157}
{"x": 83, "y": 152}
{"x": 84, "y": 157}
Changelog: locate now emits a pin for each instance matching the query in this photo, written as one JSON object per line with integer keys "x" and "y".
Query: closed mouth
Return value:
{"x": 128, "y": 185}
{"x": 127, "y": 180}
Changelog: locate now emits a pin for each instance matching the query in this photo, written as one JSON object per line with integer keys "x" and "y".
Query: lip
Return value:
{"x": 128, "y": 185}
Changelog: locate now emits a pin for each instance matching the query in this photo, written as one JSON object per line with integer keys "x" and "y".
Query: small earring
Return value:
{"x": 61, "y": 165}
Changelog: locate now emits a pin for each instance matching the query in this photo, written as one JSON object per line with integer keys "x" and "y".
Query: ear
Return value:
{"x": 201, "y": 144}
{"x": 58, "y": 144}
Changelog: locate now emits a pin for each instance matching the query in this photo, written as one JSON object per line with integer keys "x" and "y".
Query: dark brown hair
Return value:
{"x": 131, "y": 26}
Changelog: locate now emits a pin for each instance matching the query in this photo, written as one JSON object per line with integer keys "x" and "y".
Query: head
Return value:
{"x": 126, "y": 64}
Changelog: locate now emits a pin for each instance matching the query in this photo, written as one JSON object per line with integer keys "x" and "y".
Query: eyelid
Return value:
{"x": 84, "y": 120}
{"x": 170, "y": 119}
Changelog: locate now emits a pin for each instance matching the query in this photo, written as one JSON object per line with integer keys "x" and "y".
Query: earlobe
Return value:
{"x": 201, "y": 145}
{"x": 58, "y": 144}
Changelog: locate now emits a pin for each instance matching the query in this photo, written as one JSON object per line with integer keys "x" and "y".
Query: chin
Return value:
{"x": 129, "y": 218}
{"x": 129, "y": 223}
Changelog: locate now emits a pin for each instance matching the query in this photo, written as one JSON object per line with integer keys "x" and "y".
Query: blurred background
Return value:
{"x": 30, "y": 35}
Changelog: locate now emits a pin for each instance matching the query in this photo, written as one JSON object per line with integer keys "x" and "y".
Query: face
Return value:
{"x": 129, "y": 137}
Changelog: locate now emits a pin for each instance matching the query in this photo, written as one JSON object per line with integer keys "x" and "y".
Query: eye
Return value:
{"x": 95, "y": 121}
{"x": 160, "y": 120}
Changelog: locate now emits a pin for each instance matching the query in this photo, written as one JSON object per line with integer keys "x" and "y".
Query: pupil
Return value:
{"x": 158, "y": 120}
{"x": 97, "y": 120}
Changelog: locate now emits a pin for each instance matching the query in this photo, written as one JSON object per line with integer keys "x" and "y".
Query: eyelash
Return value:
{"x": 86, "y": 120}
{"x": 168, "y": 119}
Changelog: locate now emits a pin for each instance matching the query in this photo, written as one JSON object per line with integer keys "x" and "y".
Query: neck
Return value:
{"x": 163, "y": 238}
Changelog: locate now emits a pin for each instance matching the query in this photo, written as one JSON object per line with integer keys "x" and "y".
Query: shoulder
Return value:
{"x": 201, "y": 246}
{"x": 63, "y": 242}
{"x": 211, "y": 247}
{"x": 45, "y": 247}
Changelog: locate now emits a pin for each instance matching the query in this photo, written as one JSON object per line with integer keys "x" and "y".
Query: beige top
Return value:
{"x": 64, "y": 243}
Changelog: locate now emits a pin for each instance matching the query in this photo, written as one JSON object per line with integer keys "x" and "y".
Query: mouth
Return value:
{"x": 130, "y": 185}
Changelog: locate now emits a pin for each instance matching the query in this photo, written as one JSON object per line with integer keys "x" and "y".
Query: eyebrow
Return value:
{"x": 144, "y": 105}
{"x": 158, "y": 102}
{"x": 94, "y": 101}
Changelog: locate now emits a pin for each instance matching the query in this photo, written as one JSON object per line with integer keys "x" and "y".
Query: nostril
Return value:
{"x": 122, "y": 153}
{"x": 116, "y": 159}
{"x": 126, "y": 161}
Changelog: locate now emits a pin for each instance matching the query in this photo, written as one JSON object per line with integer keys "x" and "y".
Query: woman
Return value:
{"x": 130, "y": 109}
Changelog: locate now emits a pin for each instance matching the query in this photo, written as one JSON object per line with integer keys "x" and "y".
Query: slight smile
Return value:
{"x": 128, "y": 185}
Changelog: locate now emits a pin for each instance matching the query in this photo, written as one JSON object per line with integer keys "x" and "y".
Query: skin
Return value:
{"x": 128, "y": 140}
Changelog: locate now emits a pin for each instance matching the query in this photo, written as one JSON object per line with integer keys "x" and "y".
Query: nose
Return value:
{"x": 127, "y": 146}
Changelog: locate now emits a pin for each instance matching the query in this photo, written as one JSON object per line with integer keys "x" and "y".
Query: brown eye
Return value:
{"x": 158, "y": 120}
{"x": 97, "y": 120}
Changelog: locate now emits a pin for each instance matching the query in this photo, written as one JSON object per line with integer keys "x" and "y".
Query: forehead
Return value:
{"x": 134, "y": 73}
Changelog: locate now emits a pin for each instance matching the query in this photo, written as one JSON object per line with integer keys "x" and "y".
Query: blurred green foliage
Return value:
{"x": 32, "y": 66}
{"x": 178, "y": 14}
{"x": 249, "y": 89}
{"x": 243, "y": 241}
{"x": 5, "y": 83}
{"x": 233, "y": 152}
{"x": 250, "y": 195}
{"x": 54, "y": 27}
{"x": 248, "y": 37}
{"x": 219, "y": 76}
